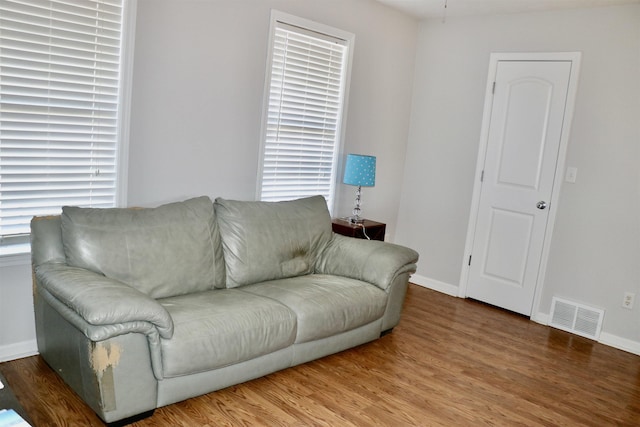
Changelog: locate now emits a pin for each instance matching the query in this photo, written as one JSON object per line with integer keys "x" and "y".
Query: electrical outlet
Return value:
{"x": 627, "y": 301}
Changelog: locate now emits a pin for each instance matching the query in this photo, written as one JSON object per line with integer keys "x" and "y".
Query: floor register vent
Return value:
{"x": 576, "y": 318}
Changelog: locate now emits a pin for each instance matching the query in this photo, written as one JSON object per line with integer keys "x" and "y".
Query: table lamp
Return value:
{"x": 360, "y": 170}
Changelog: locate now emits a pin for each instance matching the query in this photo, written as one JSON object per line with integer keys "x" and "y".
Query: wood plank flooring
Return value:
{"x": 450, "y": 362}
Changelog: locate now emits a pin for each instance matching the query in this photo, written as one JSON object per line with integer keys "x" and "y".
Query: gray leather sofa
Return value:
{"x": 140, "y": 308}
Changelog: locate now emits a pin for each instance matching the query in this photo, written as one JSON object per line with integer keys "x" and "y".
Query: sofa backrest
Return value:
{"x": 170, "y": 250}
{"x": 271, "y": 240}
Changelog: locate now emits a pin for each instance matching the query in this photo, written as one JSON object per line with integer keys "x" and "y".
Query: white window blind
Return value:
{"x": 303, "y": 121}
{"x": 59, "y": 93}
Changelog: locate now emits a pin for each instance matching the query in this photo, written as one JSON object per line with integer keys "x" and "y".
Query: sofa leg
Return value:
{"x": 387, "y": 332}
{"x": 131, "y": 420}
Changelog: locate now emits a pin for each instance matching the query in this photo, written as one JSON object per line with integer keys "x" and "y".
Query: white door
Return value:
{"x": 526, "y": 123}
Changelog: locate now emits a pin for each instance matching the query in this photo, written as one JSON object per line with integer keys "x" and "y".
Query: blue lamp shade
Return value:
{"x": 360, "y": 170}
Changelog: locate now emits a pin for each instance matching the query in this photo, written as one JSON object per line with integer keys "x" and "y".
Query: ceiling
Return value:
{"x": 424, "y": 9}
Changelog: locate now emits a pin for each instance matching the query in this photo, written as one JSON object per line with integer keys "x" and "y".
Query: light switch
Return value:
{"x": 571, "y": 174}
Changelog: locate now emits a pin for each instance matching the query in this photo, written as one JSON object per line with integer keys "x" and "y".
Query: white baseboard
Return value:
{"x": 436, "y": 285}
{"x": 18, "y": 350}
{"x": 620, "y": 343}
{"x": 605, "y": 338}
{"x": 542, "y": 318}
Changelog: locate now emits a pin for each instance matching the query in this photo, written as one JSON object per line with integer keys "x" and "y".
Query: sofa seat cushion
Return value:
{"x": 221, "y": 327}
{"x": 324, "y": 305}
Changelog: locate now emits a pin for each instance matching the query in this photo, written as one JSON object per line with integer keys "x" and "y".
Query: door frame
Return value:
{"x": 495, "y": 58}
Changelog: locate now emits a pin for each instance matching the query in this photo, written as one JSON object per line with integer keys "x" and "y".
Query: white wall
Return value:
{"x": 198, "y": 84}
{"x": 595, "y": 250}
{"x": 198, "y": 94}
{"x": 17, "y": 325}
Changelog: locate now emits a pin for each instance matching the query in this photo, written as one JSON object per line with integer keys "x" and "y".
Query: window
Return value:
{"x": 60, "y": 109}
{"x": 305, "y": 101}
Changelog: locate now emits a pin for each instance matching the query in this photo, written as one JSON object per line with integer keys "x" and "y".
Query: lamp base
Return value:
{"x": 356, "y": 219}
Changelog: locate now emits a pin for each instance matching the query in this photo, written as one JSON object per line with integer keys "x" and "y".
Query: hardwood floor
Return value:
{"x": 450, "y": 362}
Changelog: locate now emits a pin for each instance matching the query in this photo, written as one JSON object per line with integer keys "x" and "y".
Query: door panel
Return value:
{"x": 527, "y": 116}
{"x": 508, "y": 247}
{"x": 524, "y": 130}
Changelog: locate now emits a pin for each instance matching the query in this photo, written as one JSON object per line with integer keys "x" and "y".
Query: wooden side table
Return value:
{"x": 375, "y": 230}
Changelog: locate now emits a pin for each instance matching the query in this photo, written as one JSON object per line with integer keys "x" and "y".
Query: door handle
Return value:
{"x": 541, "y": 204}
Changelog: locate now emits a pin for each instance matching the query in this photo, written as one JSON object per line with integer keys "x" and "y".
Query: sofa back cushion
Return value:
{"x": 272, "y": 240}
{"x": 170, "y": 250}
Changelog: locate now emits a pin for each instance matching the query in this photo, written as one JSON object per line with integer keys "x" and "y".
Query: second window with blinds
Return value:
{"x": 305, "y": 103}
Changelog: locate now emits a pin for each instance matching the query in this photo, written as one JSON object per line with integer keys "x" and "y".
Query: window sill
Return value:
{"x": 14, "y": 255}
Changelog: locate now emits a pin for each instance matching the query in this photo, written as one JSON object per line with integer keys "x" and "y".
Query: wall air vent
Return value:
{"x": 576, "y": 318}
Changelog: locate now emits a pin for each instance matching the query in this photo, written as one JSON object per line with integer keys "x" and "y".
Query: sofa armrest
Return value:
{"x": 371, "y": 261}
{"x": 111, "y": 305}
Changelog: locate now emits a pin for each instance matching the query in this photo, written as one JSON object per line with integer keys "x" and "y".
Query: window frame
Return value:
{"x": 18, "y": 253}
{"x": 307, "y": 26}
